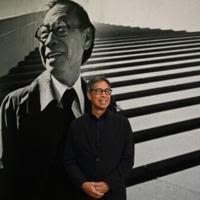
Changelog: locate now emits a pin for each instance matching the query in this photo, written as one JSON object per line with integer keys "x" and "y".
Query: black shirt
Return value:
{"x": 100, "y": 150}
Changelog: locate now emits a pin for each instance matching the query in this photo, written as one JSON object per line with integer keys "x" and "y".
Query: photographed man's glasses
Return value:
{"x": 100, "y": 91}
{"x": 60, "y": 29}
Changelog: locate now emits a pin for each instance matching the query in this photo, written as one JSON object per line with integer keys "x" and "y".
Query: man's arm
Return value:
{"x": 7, "y": 128}
{"x": 73, "y": 170}
{"x": 1, "y": 144}
{"x": 71, "y": 167}
{"x": 118, "y": 175}
{"x": 1, "y": 134}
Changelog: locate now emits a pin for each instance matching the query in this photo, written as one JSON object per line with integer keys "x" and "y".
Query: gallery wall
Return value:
{"x": 19, "y": 19}
{"x": 165, "y": 14}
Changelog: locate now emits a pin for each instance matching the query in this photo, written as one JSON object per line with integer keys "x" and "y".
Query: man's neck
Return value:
{"x": 67, "y": 82}
{"x": 66, "y": 78}
{"x": 98, "y": 112}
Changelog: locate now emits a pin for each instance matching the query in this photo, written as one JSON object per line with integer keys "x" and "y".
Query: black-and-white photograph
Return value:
{"x": 100, "y": 99}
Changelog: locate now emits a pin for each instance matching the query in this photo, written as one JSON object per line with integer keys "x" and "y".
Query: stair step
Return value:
{"x": 144, "y": 38}
{"x": 133, "y": 72}
{"x": 161, "y": 107}
{"x": 144, "y": 56}
{"x": 143, "y": 50}
{"x": 27, "y": 68}
{"x": 136, "y": 32}
{"x": 149, "y": 35}
{"x": 183, "y": 184}
{"x": 163, "y": 168}
{"x": 162, "y": 118}
{"x": 166, "y": 147}
{"x": 158, "y": 99}
{"x": 166, "y": 130}
{"x": 142, "y": 46}
{"x": 156, "y": 78}
{"x": 164, "y": 72}
{"x": 18, "y": 77}
{"x": 31, "y": 61}
{"x": 138, "y": 62}
{"x": 143, "y": 41}
{"x": 189, "y": 84}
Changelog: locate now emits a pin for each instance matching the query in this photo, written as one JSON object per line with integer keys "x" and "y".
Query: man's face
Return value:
{"x": 100, "y": 100}
{"x": 62, "y": 56}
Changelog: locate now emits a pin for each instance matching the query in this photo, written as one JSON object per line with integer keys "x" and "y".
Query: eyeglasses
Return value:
{"x": 60, "y": 29}
{"x": 100, "y": 91}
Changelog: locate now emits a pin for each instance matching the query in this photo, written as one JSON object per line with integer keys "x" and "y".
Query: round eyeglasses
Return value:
{"x": 60, "y": 29}
{"x": 100, "y": 91}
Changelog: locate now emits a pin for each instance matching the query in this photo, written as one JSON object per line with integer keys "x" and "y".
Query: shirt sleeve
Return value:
{"x": 73, "y": 171}
{"x": 1, "y": 142}
{"x": 117, "y": 177}
{"x": 7, "y": 128}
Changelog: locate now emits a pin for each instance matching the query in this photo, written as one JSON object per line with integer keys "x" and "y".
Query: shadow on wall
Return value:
{"x": 17, "y": 39}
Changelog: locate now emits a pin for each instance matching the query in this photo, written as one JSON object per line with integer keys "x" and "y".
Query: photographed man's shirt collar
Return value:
{"x": 45, "y": 89}
{"x": 59, "y": 90}
{"x": 51, "y": 89}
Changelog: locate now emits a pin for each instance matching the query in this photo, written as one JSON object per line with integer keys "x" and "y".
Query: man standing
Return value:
{"x": 99, "y": 150}
{"x": 35, "y": 119}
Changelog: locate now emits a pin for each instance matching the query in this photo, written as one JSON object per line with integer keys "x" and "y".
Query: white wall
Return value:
{"x": 165, "y": 14}
{"x": 12, "y": 8}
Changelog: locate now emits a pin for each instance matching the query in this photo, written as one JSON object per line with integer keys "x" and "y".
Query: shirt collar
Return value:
{"x": 45, "y": 89}
{"x": 60, "y": 89}
{"x": 51, "y": 89}
{"x": 103, "y": 116}
{"x": 78, "y": 88}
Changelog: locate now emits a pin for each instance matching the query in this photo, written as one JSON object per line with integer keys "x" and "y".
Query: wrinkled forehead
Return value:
{"x": 61, "y": 12}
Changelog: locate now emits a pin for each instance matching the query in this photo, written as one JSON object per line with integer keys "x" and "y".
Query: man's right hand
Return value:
{"x": 90, "y": 190}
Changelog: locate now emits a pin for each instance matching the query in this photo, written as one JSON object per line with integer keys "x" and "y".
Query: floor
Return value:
{"x": 183, "y": 185}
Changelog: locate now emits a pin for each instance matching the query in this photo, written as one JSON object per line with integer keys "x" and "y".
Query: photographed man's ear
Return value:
{"x": 87, "y": 38}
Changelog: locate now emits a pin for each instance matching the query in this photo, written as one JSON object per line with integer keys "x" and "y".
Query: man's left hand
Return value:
{"x": 102, "y": 187}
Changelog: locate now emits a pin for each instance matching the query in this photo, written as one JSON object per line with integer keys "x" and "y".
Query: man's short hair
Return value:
{"x": 96, "y": 79}
{"x": 112, "y": 106}
{"x": 83, "y": 19}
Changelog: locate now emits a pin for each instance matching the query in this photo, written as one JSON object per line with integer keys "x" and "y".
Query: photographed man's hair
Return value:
{"x": 83, "y": 18}
{"x": 96, "y": 79}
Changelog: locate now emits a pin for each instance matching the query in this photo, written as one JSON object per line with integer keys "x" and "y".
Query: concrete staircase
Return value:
{"x": 155, "y": 76}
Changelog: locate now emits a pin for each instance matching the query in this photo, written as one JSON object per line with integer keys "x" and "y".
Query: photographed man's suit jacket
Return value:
{"x": 33, "y": 131}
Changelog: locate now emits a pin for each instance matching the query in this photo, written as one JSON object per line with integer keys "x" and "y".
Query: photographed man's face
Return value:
{"x": 63, "y": 55}
{"x": 99, "y": 100}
